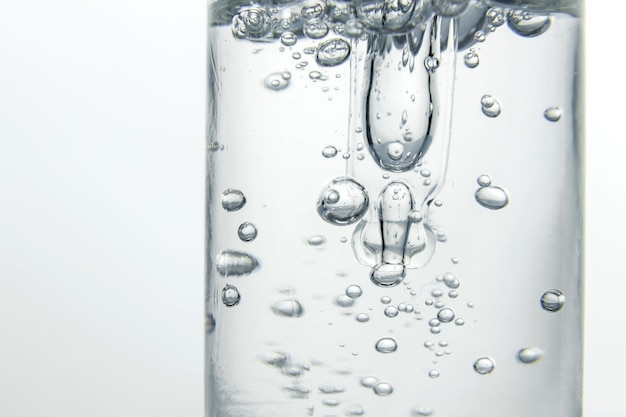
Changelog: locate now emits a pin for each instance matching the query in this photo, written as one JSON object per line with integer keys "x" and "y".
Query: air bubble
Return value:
{"x": 437, "y": 203}
{"x": 386, "y": 345}
{"x": 315, "y": 29}
{"x": 235, "y": 263}
{"x": 233, "y": 200}
{"x": 277, "y": 81}
{"x": 383, "y": 388}
{"x": 230, "y": 296}
{"x": 354, "y": 291}
{"x": 490, "y": 106}
{"x": 312, "y": 10}
{"x": 528, "y": 25}
{"x": 428, "y": 344}
{"x": 369, "y": 381}
{"x": 435, "y": 330}
{"x": 247, "y": 232}
{"x": 492, "y": 197}
{"x": 451, "y": 280}
{"x": 434, "y": 322}
{"x": 385, "y": 299}
{"x": 479, "y": 36}
{"x": 496, "y": 17}
{"x": 436, "y": 293}
{"x": 362, "y": 317}
{"x": 459, "y": 322}
{"x": 350, "y": 204}
{"x": 252, "y": 23}
{"x": 431, "y": 64}
{"x": 329, "y": 151}
{"x": 330, "y": 402}
{"x": 445, "y": 315}
{"x": 471, "y": 59}
{"x": 387, "y": 275}
{"x": 484, "y": 180}
{"x": 529, "y": 355}
{"x": 395, "y": 150}
{"x": 332, "y": 52}
{"x": 315, "y": 75}
{"x": 316, "y": 240}
{"x": 429, "y": 302}
{"x": 433, "y": 373}
{"x": 552, "y": 300}
{"x": 354, "y": 28}
{"x": 296, "y": 55}
{"x": 288, "y": 308}
{"x": 344, "y": 301}
{"x": 288, "y": 38}
{"x": 439, "y": 304}
{"x": 552, "y": 114}
{"x": 484, "y": 365}
{"x": 425, "y": 173}
{"x": 453, "y": 294}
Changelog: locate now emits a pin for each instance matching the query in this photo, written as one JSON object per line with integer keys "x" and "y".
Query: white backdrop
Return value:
{"x": 101, "y": 208}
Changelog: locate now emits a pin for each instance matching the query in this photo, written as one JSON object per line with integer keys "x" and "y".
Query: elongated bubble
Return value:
{"x": 235, "y": 263}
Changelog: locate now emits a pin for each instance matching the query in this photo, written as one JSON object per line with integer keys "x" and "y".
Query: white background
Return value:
{"x": 101, "y": 208}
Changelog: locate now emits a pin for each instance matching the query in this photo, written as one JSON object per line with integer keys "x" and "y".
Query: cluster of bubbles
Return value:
{"x": 380, "y": 388}
{"x": 490, "y": 196}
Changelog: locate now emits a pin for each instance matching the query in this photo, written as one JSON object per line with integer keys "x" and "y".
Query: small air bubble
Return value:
{"x": 288, "y": 38}
{"x": 344, "y": 301}
{"x": 484, "y": 365}
{"x": 288, "y": 308}
{"x": 369, "y": 381}
{"x": 445, "y": 315}
{"x": 316, "y": 240}
{"x": 276, "y": 81}
{"x": 552, "y": 300}
{"x": 233, "y": 200}
{"x": 484, "y": 180}
{"x": 383, "y": 388}
{"x": 479, "y": 36}
{"x": 552, "y": 114}
{"x": 362, "y": 317}
{"x": 230, "y": 296}
{"x": 459, "y": 322}
{"x": 329, "y": 152}
{"x": 433, "y": 373}
{"x": 391, "y": 311}
{"x": 385, "y": 299}
{"x": 247, "y": 232}
{"x": 386, "y": 345}
{"x": 529, "y": 355}
{"x": 471, "y": 59}
{"x": 354, "y": 291}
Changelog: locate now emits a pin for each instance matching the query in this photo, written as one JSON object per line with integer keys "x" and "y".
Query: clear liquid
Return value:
{"x": 394, "y": 211}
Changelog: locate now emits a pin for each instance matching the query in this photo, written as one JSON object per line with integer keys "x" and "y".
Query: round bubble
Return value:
{"x": 433, "y": 373}
{"x": 496, "y": 17}
{"x": 362, "y": 317}
{"x": 484, "y": 365}
{"x": 315, "y": 29}
{"x": 332, "y": 52}
{"x": 484, "y": 180}
{"x": 343, "y": 201}
{"x": 451, "y": 280}
{"x": 233, "y": 200}
{"x": 385, "y": 299}
{"x": 369, "y": 381}
{"x": 312, "y": 10}
{"x": 316, "y": 240}
{"x": 252, "y": 23}
{"x": 329, "y": 152}
{"x": 386, "y": 345}
{"x": 230, "y": 296}
{"x": 552, "y": 300}
{"x": 354, "y": 291}
{"x": 471, "y": 59}
{"x": 288, "y": 38}
{"x": 388, "y": 275}
{"x": 445, "y": 315}
{"x": 247, "y": 232}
